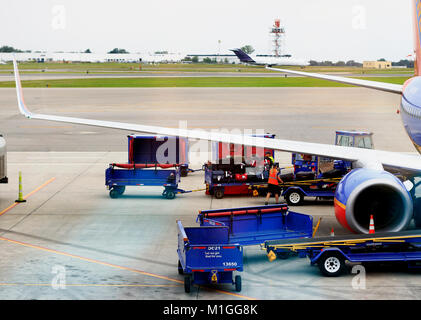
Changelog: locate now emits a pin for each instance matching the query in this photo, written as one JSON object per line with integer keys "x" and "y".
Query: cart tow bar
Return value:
{"x": 214, "y": 277}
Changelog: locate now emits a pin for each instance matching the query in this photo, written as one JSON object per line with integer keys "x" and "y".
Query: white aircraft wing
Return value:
{"x": 389, "y": 87}
{"x": 362, "y": 157}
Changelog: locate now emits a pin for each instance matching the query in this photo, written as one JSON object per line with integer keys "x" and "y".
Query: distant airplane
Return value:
{"x": 268, "y": 61}
{"x": 369, "y": 189}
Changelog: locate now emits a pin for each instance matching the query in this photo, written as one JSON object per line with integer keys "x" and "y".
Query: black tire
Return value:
{"x": 238, "y": 283}
{"x": 294, "y": 198}
{"x": 331, "y": 264}
{"x": 180, "y": 268}
{"x": 114, "y": 193}
{"x": 187, "y": 284}
{"x": 120, "y": 189}
{"x": 184, "y": 172}
{"x": 218, "y": 193}
{"x": 282, "y": 255}
{"x": 170, "y": 194}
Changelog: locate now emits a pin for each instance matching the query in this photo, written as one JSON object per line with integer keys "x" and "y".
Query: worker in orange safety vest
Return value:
{"x": 273, "y": 183}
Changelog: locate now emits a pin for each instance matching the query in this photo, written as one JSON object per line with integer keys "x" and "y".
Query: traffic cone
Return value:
{"x": 20, "y": 196}
{"x": 332, "y": 233}
{"x": 371, "y": 228}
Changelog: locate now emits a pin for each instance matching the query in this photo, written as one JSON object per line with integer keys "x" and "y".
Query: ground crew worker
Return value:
{"x": 269, "y": 159}
{"x": 273, "y": 183}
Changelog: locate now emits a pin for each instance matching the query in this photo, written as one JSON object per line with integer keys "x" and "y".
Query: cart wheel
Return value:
{"x": 170, "y": 194}
{"x": 187, "y": 284}
{"x": 120, "y": 189}
{"x": 283, "y": 255}
{"x": 180, "y": 268}
{"x": 219, "y": 193}
{"x": 331, "y": 264}
{"x": 294, "y": 198}
{"x": 183, "y": 172}
{"x": 238, "y": 283}
{"x": 114, "y": 193}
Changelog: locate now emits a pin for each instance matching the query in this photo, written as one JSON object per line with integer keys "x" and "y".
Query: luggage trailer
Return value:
{"x": 330, "y": 253}
{"x": 144, "y": 169}
{"x": 322, "y": 174}
{"x": 252, "y": 225}
{"x": 205, "y": 256}
{"x": 225, "y": 176}
{"x": 211, "y": 253}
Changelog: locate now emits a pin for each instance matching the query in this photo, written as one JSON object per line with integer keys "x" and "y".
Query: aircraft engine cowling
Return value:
{"x": 365, "y": 192}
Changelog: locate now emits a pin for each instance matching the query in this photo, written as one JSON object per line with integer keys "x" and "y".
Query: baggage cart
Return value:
{"x": 330, "y": 253}
{"x": 254, "y": 225}
{"x": 205, "y": 256}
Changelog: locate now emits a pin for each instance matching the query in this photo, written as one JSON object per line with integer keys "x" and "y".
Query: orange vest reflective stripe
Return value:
{"x": 273, "y": 173}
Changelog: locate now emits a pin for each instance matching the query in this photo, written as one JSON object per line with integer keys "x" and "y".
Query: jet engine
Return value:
{"x": 365, "y": 192}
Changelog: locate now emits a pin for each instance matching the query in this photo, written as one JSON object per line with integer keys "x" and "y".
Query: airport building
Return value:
{"x": 91, "y": 57}
{"x": 377, "y": 65}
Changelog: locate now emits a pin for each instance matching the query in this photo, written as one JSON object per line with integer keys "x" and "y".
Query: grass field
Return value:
{"x": 31, "y": 67}
{"x": 191, "y": 82}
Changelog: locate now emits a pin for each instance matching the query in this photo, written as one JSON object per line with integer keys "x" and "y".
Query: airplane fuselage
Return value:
{"x": 410, "y": 110}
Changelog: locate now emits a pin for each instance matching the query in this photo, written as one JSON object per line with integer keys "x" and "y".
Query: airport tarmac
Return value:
{"x": 103, "y": 248}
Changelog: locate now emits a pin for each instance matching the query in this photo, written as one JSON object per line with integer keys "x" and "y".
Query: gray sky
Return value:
{"x": 316, "y": 29}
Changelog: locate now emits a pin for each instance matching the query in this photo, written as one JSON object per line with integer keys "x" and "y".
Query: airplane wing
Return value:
{"x": 362, "y": 157}
{"x": 388, "y": 87}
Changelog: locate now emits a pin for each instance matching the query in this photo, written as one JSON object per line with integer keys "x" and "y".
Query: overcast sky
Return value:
{"x": 316, "y": 29}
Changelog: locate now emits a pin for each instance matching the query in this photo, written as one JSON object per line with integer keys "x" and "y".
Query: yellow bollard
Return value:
{"x": 20, "y": 197}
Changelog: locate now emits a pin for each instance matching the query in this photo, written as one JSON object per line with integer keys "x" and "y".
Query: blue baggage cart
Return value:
{"x": 205, "y": 256}
{"x": 255, "y": 225}
{"x": 152, "y": 161}
{"x": 116, "y": 180}
{"x": 146, "y": 149}
{"x": 330, "y": 253}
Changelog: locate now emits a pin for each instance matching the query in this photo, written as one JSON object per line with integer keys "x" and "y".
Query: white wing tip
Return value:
{"x": 19, "y": 93}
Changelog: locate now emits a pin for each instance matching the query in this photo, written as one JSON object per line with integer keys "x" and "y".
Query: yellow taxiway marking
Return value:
{"x": 114, "y": 265}
{"x": 27, "y": 196}
{"x": 90, "y": 285}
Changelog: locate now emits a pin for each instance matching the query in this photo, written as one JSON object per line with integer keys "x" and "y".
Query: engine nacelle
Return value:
{"x": 365, "y": 192}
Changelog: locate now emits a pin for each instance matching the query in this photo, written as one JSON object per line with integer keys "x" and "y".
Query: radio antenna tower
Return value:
{"x": 277, "y": 32}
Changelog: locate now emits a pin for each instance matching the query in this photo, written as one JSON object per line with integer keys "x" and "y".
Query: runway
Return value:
{"x": 126, "y": 248}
